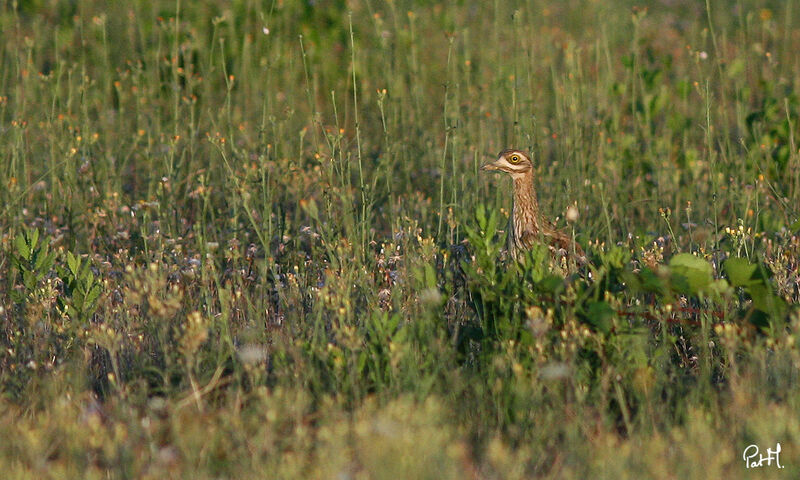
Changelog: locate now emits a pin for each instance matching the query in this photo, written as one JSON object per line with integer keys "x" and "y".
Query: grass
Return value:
{"x": 252, "y": 239}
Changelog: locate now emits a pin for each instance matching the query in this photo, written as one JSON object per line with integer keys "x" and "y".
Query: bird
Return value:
{"x": 526, "y": 226}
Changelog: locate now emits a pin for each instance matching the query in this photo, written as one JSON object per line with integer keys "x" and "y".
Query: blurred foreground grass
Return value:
{"x": 250, "y": 238}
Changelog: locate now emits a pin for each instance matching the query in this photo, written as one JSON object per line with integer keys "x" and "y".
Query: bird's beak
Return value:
{"x": 490, "y": 166}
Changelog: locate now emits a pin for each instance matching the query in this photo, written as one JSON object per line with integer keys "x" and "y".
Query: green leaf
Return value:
{"x": 34, "y": 240}
{"x": 599, "y": 315}
{"x": 310, "y": 207}
{"x": 29, "y": 280}
{"x": 44, "y": 260}
{"x": 430, "y": 276}
{"x": 759, "y": 318}
{"x": 741, "y": 272}
{"x": 735, "y": 68}
{"x": 651, "y": 282}
{"x": 766, "y": 301}
{"x": 362, "y": 360}
{"x": 616, "y": 258}
{"x": 78, "y": 299}
{"x": 491, "y": 226}
{"x": 392, "y": 323}
{"x": 680, "y": 283}
{"x": 551, "y": 284}
{"x": 23, "y": 250}
{"x": 378, "y": 324}
{"x": 720, "y": 288}
{"x": 92, "y": 295}
{"x": 480, "y": 216}
{"x": 535, "y": 261}
{"x": 400, "y": 335}
{"x": 760, "y": 295}
{"x": 472, "y": 234}
{"x": 74, "y": 264}
{"x": 696, "y": 272}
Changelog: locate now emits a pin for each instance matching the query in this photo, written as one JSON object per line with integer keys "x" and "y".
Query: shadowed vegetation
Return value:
{"x": 252, "y": 238}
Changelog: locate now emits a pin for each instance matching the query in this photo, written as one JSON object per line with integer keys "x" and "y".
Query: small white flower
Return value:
{"x": 265, "y": 30}
{"x": 703, "y": 55}
{"x": 430, "y": 296}
{"x": 572, "y": 213}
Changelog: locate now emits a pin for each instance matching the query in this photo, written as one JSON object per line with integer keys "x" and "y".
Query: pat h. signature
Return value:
{"x": 753, "y": 459}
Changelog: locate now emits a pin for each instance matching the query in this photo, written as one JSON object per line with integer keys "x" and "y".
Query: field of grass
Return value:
{"x": 251, "y": 239}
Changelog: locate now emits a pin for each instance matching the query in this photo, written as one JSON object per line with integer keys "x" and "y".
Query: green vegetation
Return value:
{"x": 251, "y": 239}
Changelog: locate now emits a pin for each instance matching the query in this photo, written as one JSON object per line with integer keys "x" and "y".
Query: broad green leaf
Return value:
{"x": 680, "y": 283}
{"x": 759, "y": 318}
{"x": 616, "y": 257}
{"x": 741, "y": 272}
{"x": 92, "y": 295}
{"x": 696, "y": 271}
{"x": 78, "y": 299}
{"x": 74, "y": 264}
{"x": 551, "y": 284}
{"x": 720, "y": 288}
{"x": 23, "y": 250}
{"x": 44, "y": 260}
{"x": 651, "y": 282}
{"x": 766, "y": 301}
{"x": 599, "y": 315}
{"x": 29, "y": 280}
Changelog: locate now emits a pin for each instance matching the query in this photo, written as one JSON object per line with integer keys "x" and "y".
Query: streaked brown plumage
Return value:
{"x": 526, "y": 226}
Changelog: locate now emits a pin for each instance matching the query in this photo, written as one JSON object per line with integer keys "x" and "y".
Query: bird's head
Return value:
{"x": 515, "y": 162}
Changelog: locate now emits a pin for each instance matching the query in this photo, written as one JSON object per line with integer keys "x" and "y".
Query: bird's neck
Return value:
{"x": 525, "y": 203}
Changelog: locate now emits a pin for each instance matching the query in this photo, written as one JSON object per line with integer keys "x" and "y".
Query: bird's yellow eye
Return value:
{"x": 514, "y": 158}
